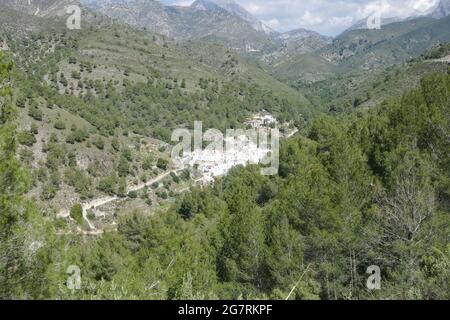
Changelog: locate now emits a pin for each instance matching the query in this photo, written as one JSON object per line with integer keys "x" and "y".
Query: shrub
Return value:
{"x": 60, "y": 125}
{"x": 162, "y": 194}
{"x": 108, "y": 185}
{"x": 21, "y": 102}
{"x": 26, "y": 138}
{"x": 35, "y": 113}
{"x": 162, "y": 164}
{"x": 147, "y": 164}
{"x": 34, "y": 128}
{"x": 48, "y": 192}
{"x": 115, "y": 144}
{"x": 175, "y": 178}
{"x": 185, "y": 174}
{"x": 76, "y": 213}
{"x": 132, "y": 195}
{"x": 123, "y": 167}
{"x": 76, "y": 75}
{"x": 99, "y": 143}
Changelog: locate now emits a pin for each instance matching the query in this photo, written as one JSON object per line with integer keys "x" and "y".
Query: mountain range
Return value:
{"x": 219, "y": 20}
{"x": 297, "y": 57}
{"x": 290, "y": 56}
{"x": 227, "y": 23}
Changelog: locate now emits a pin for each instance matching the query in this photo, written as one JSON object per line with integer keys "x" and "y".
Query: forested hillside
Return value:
{"x": 88, "y": 180}
{"x": 351, "y": 193}
{"x": 350, "y": 72}
{"x": 358, "y": 91}
{"x": 96, "y": 107}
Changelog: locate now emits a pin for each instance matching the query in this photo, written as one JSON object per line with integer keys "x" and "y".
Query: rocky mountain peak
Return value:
{"x": 232, "y": 7}
{"x": 204, "y": 5}
{"x": 442, "y": 10}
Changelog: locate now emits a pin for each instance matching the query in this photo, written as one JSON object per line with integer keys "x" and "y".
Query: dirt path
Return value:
{"x": 444, "y": 59}
{"x": 93, "y": 204}
{"x": 291, "y": 134}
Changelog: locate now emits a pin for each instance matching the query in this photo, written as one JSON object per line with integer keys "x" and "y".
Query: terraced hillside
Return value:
{"x": 98, "y": 105}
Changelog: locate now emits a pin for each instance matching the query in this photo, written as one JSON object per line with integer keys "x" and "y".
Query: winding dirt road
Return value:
{"x": 94, "y": 204}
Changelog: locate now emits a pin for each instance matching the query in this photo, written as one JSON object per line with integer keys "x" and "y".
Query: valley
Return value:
{"x": 358, "y": 175}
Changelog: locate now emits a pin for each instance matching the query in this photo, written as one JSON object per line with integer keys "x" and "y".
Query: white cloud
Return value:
{"x": 425, "y": 5}
{"x": 272, "y": 23}
{"x": 341, "y": 22}
{"x": 309, "y": 19}
{"x": 183, "y": 3}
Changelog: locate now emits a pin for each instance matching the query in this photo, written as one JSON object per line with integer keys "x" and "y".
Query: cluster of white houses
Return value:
{"x": 261, "y": 120}
{"x": 215, "y": 163}
{"x": 239, "y": 150}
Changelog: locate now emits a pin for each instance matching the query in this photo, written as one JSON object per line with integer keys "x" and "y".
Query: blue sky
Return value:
{"x": 328, "y": 17}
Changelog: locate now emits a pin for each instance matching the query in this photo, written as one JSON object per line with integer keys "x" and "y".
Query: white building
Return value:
{"x": 261, "y": 120}
{"x": 215, "y": 163}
